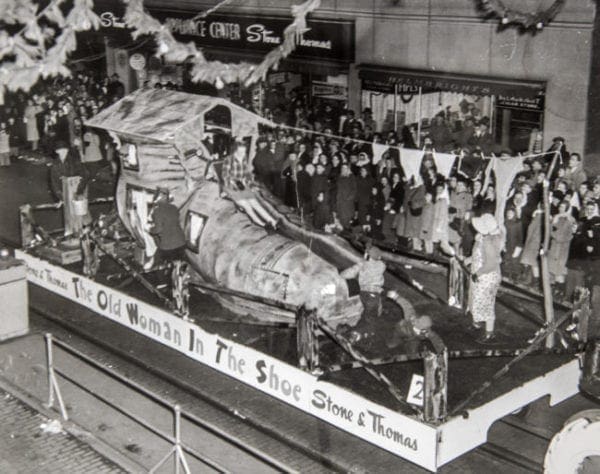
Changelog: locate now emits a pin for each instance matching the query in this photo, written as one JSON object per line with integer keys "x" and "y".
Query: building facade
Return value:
{"x": 410, "y": 59}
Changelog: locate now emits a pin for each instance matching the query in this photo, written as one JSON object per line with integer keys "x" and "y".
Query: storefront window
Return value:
{"x": 458, "y": 109}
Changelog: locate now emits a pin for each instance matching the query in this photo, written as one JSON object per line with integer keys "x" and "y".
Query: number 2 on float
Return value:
{"x": 415, "y": 392}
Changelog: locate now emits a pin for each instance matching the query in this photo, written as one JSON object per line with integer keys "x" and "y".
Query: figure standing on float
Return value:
{"x": 486, "y": 276}
{"x": 237, "y": 183}
{"x": 67, "y": 165}
{"x": 166, "y": 230}
{"x": 370, "y": 273}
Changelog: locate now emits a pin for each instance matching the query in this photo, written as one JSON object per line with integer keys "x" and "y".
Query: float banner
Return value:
{"x": 392, "y": 431}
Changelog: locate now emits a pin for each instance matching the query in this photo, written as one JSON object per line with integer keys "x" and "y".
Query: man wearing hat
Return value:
{"x": 370, "y": 280}
{"x": 486, "y": 277}
{"x": 66, "y": 164}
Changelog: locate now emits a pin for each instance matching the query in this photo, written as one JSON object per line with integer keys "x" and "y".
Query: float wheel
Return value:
{"x": 576, "y": 448}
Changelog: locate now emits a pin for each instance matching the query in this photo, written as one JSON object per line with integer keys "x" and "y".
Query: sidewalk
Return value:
{"x": 32, "y": 443}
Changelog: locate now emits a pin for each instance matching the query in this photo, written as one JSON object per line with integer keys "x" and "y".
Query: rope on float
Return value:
{"x": 240, "y": 294}
{"x": 539, "y": 338}
{"x": 134, "y": 273}
{"x": 367, "y": 365}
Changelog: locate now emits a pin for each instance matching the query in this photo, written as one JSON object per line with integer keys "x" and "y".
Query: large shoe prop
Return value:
{"x": 171, "y": 140}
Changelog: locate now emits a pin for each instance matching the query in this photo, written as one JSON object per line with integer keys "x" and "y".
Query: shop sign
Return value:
{"x": 327, "y": 90}
{"x": 325, "y": 39}
{"x": 512, "y": 93}
{"x": 109, "y": 19}
{"x": 535, "y": 104}
{"x": 388, "y": 429}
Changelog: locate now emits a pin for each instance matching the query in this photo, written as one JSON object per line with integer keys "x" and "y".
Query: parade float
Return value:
{"x": 290, "y": 278}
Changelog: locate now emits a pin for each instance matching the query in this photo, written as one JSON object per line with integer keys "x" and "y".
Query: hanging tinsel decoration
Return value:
{"x": 46, "y": 36}
{"x": 218, "y": 72}
{"x": 531, "y": 21}
{"x": 37, "y": 49}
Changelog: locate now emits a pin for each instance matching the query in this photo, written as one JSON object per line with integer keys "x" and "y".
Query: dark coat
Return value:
{"x": 305, "y": 191}
{"x": 322, "y": 215}
{"x": 415, "y": 198}
{"x": 166, "y": 228}
{"x": 483, "y": 142}
{"x": 319, "y": 184}
{"x": 363, "y": 196}
{"x": 264, "y": 162}
{"x": 71, "y": 166}
{"x": 514, "y": 235}
{"x": 588, "y": 235}
{"x": 397, "y": 196}
{"x": 345, "y": 198}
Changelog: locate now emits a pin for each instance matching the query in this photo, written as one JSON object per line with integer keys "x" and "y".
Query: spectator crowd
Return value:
{"x": 342, "y": 174}
{"x": 53, "y": 112}
{"x": 329, "y": 165}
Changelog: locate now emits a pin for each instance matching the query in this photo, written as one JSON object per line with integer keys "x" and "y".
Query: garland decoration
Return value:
{"x": 218, "y": 72}
{"x": 47, "y": 36}
{"x": 36, "y": 50}
{"x": 524, "y": 21}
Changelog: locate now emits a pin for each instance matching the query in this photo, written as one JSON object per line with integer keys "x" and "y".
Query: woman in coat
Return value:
{"x": 415, "y": 199}
{"x": 30, "y": 119}
{"x": 563, "y": 228}
{"x": 345, "y": 196}
{"x": 531, "y": 250}
{"x": 364, "y": 184}
{"x": 427, "y": 223}
{"x": 440, "y": 217}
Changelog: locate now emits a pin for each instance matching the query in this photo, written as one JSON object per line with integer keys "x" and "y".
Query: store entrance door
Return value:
{"x": 514, "y": 127}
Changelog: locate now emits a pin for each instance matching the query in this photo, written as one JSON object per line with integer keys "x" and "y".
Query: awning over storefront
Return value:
{"x": 522, "y": 94}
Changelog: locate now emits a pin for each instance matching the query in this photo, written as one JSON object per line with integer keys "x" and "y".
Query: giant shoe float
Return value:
{"x": 162, "y": 136}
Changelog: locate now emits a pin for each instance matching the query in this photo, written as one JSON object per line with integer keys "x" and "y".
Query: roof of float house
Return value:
{"x": 161, "y": 115}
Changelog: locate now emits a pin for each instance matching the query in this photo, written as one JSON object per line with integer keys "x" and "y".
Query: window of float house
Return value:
{"x": 217, "y": 121}
{"x": 194, "y": 225}
{"x": 138, "y": 209}
{"x": 129, "y": 157}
